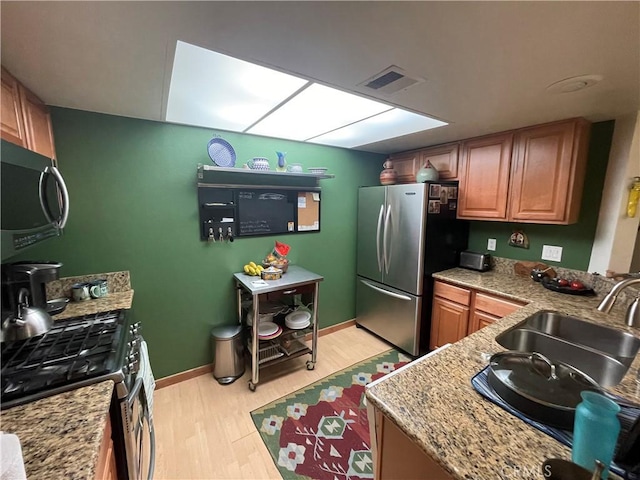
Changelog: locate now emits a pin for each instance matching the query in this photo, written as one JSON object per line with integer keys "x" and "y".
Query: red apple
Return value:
{"x": 577, "y": 285}
{"x": 563, "y": 282}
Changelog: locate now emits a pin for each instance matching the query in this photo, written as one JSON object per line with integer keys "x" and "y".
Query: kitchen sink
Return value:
{"x": 603, "y": 353}
{"x": 621, "y": 345}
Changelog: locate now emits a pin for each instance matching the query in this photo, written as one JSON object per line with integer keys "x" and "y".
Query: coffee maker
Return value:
{"x": 32, "y": 276}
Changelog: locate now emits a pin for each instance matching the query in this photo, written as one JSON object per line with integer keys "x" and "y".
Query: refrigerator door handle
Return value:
{"x": 380, "y": 216}
{"x": 385, "y": 236}
{"x": 386, "y": 292}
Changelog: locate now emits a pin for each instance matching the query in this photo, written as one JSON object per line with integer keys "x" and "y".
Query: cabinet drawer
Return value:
{"x": 500, "y": 307}
{"x": 288, "y": 292}
{"x": 450, "y": 292}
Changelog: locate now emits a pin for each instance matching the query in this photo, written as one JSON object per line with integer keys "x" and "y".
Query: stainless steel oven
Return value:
{"x": 81, "y": 351}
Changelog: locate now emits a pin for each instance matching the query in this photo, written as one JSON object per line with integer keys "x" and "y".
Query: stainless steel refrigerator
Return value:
{"x": 405, "y": 233}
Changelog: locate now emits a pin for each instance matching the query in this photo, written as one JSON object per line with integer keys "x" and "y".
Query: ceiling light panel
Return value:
{"x": 390, "y": 124}
{"x": 214, "y": 90}
{"x": 314, "y": 111}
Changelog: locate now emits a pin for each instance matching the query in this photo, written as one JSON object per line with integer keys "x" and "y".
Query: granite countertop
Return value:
{"x": 61, "y": 435}
{"x": 113, "y": 301}
{"x": 434, "y": 404}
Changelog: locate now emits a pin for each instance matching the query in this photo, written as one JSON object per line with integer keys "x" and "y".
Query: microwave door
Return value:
{"x": 63, "y": 199}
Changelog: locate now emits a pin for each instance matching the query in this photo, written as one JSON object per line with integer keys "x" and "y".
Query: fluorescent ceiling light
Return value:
{"x": 213, "y": 90}
{"x": 314, "y": 111}
{"x": 390, "y": 124}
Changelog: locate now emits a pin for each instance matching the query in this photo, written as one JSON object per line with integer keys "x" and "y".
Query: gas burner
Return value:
{"x": 74, "y": 351}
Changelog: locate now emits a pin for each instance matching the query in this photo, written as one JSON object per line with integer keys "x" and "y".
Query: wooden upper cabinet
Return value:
{"x": 37, "y": 121}
{"x": 484, "y": 177}
{"x": 443, "y": 158}
{"x": 548, "y": 169}
{"x": 26, "y": 120}
{"x": 406, "y": 165}
{"x": 11, "y": 122}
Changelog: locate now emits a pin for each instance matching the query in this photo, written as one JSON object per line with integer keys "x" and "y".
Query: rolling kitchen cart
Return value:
{"x": 290, "y": 344}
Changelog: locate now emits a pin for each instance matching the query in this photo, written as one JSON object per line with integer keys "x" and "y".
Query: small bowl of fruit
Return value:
{"x": 278, "y": 262}
{"x": 565, "y": 285}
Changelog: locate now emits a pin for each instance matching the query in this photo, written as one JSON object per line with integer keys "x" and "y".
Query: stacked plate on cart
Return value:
{"x": 268, "y": 330}
{"x": 298, "y": 320}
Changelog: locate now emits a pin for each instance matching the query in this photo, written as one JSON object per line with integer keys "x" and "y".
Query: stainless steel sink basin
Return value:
{"x": 603, "y": 353}
{"x": 621, "y": 345}
{"x": 605, "y": 370}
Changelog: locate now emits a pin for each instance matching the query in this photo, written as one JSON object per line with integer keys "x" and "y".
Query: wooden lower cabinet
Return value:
{"x": 458, "y": 312}
{"x": 106, "y": 468}
{"x": 396, "y": 456}
{"x": 449, "y": 322}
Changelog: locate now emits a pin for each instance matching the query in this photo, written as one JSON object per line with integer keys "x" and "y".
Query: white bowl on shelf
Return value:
{"x": 298, "y": 319}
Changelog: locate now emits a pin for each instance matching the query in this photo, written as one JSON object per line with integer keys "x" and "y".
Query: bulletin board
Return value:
{"x": 308, "y": 211}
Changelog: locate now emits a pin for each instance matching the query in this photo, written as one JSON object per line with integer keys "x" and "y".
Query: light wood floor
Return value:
{"x": 204, "y": 430}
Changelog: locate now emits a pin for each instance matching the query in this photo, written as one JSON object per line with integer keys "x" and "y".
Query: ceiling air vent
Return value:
{"x": 391, "y": 80}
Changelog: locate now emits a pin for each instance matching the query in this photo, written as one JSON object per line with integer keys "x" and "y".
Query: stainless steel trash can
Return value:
{"x": 228, "y": 353}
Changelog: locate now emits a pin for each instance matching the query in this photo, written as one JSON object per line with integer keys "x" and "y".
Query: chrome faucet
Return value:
{"x": 632, "y": 317}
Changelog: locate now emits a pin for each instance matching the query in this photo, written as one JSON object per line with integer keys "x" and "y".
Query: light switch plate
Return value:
{"x": 491, "y": 244}
{"x": 551, "y": 253}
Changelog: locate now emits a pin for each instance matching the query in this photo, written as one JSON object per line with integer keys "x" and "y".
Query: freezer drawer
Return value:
{"x": 392, "y": 314}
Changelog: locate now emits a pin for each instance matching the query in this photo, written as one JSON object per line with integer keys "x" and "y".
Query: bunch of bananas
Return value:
{"x": 252, "y": 269}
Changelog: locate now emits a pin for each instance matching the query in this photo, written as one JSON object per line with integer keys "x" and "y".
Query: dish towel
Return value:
{"x": 11, "y": 462}
{"x": 148, "y": 382}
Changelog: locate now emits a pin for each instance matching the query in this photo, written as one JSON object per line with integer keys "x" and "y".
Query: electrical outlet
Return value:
{"x": 491, "y": 244}
{"x": 552, "y": 253}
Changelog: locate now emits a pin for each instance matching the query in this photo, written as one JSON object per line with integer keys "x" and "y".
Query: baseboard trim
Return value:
{"x": 182, "y": 376}
{"x": 205, "y": 369}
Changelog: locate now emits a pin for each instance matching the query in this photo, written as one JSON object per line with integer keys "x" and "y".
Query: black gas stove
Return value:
{"x": 76, "y": 352}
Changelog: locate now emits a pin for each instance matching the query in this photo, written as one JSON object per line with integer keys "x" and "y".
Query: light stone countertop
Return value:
{"x": 61, "y": 435}
{"x": 434, "y": 404}
{"x": 113, "y": 301}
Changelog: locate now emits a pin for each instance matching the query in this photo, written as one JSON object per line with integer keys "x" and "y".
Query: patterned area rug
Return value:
{"x": 321, "y": 431}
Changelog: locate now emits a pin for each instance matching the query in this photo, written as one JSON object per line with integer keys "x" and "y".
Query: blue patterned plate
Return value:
{"x": 221, "y": 152}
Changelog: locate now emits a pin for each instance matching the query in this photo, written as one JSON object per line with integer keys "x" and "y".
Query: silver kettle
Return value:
{"x": 27, "y": 322}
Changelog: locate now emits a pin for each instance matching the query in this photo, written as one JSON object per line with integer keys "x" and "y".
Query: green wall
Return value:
{"x": 132, "y": 186}
{"x": 577, "y": 239}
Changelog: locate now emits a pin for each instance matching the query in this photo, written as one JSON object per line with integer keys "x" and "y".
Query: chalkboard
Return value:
{"x": 266, "y": 212}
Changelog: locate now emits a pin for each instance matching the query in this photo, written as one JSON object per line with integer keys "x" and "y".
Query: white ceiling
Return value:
{"x": 486, "y": 64}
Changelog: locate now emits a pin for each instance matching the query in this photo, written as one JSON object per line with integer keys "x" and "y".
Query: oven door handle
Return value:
{"x": 135, "y": 391}
{"x": 152, "y": 446}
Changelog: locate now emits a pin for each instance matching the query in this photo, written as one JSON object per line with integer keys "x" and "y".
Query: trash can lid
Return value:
{"x": 226, "y": 331}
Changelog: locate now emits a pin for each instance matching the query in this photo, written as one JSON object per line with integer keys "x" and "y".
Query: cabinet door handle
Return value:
{"x": 289, "y": 292}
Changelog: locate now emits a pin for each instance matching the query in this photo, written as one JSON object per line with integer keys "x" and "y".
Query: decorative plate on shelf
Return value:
{"x": 221, "y": 152}
{"x": 318, "y": 170}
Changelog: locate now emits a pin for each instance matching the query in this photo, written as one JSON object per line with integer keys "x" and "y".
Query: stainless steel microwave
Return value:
{"x": 35, "y": 200}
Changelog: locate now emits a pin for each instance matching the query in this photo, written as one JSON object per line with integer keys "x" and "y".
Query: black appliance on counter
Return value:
{"x": 32, "y": 276}
{"x": 81, "y": 351}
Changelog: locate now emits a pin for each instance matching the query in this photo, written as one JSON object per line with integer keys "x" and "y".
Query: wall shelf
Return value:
{"x": 210, "y": 174}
